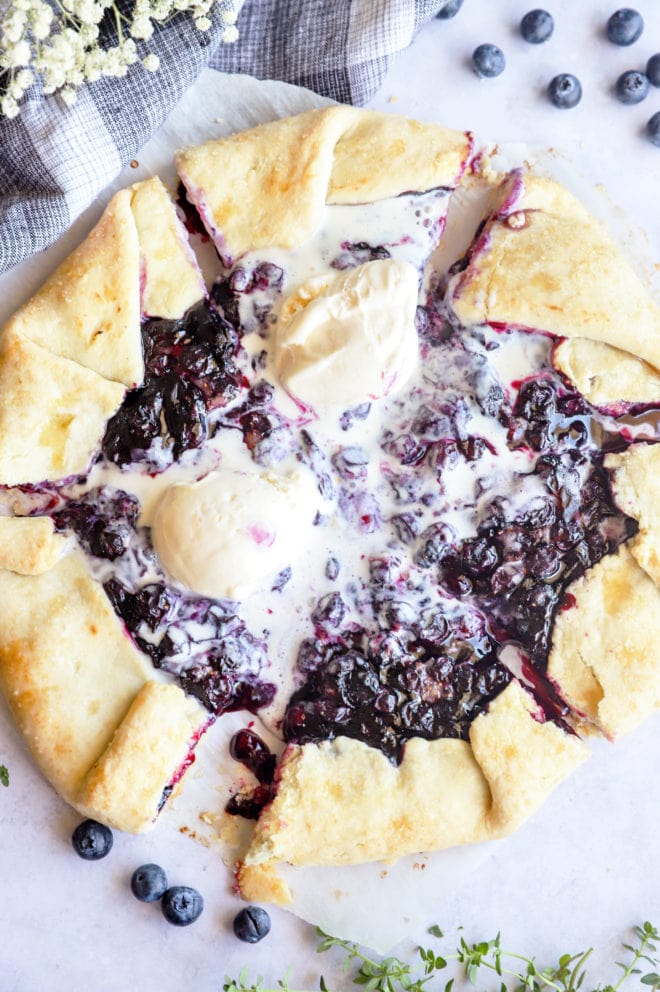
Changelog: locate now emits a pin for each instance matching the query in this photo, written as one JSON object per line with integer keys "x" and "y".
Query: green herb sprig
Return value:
{"x": 515, "y": 972}
{"x": 4, "y": 775}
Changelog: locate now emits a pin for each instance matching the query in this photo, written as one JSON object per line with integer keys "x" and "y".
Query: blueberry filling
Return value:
{"x": 250, "y": 750}
{"x": 190, "y": 371}
{"x": 216, "y": 658}
{"x": 444, "y": 605}
{"x": 429, "y": 680}
{"x": 408, "y": 644}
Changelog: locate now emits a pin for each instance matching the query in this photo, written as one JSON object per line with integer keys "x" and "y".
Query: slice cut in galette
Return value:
{"x": 407, "y": 516}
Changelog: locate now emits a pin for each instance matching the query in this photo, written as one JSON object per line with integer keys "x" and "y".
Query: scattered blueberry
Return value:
{"x": 450, "y": 9}
{"x": 653, "y": 69}
{"x": 182, "y": 905}
{"x": 625, "y": 26}
{"x": 252, "y": 924}
{"x": 632, "y": 87}
{"x": 148, "y": 883}
{"x": 92, "y": 840}
{"x": 653, "y": 129}
{"x": 537, "y": 26}
{"x": 488, "y": 61}
{"x": 565, "y": 91}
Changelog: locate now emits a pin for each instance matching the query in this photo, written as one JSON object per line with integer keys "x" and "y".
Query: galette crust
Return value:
{"x": 29, "y": 545}
{"x": 604, "y": 375}
{"x": 89, "y": 310}
{"x": 543, "y": 262}
{"x": 288, "y": 169}
{"x": 605, "y": 656}
{"x": 172, "y": 281}
{"x": 636, "y": 486}
{"x": 147, "y": 751}
{"x": 52, "y": 412}
{"x": 68, "y": 353}
{"x": 444, "y": 793}
{"x": 76, "y": 687}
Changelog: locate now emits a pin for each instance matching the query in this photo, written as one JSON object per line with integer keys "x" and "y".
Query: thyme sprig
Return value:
{"x": 515, "y": 972}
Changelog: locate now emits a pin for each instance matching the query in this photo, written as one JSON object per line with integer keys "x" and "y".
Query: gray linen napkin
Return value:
{"x": 54, "y": 159}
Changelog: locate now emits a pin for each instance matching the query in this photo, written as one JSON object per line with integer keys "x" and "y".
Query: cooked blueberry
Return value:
{"x": 653, "y": 129}
{"x": 653, "y": 70}
{"x": 450, "y": 9}
{"x": 479, "y": 557}
{"x": 332, "y": 567}
{"x": 351, "y": 463}
{"x": 632, "y": 86}
{"x": 625, "y": 26}
{"x": 148, "y": 883}
{"x": 248, "y": 748}
{"x": 92, "y": 840}
{"x": 252, "y": 924}
{"x": 281, "y": 579}
{"x": 330, "y": 610}
{"x": 488, "y": 61}
{"x": 565, "y": 91}
{"x": 354, "y": 254}
{"x": 182, "y": 905}
{"x": 537, "y": 26}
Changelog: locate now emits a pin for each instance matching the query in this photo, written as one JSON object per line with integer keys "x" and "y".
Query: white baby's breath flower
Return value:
{"x": 68, "y": 94}
{"x": 142, "y": 28}
{"x": 13, "y": 27}
{"x": 62, "y": 42}
{"x": 18, "y": 55}
{"x": 42, "y": 22}
{"x": 24, "y": 78}
{"x": 9, "y": 106}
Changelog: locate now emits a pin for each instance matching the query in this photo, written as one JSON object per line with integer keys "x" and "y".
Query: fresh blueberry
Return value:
{"x": 625, "y": 26}
{"x": 632, "y": 87}
{"x": 148, "y": 883}
{"x": 653, "y": 69}
{"x": 488, "y": 61}
{"x": 92, "y": 840}
{"x": 252, "y": 924}
{"x": 653, "y": 129}
{"x": 450, "y": 9}
{"x": 537, "y": 26}
{"x": 565, "y": 91}
{"x": 182, "y": 905}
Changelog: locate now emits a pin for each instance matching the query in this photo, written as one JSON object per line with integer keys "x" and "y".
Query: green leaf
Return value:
{"x": 322, "y": 986}
{"x": 4, "y": 775}
{"x": 435, "y": 931}
{"x": 651, "y": 979}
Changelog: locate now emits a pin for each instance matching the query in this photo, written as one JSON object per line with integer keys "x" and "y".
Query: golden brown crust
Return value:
{"x": 636, "y": 487}
{"x": 543, "y": 262}
{"x": 89, "y": 310}
{"x": 604, "y": 375}
{"x": 125, "y": 787}
{"x": 268, "y": 186}
{"x": 52, "y": 412}
{"x": 70, "y": 680}
{"x": 172, "y": 281}
{"x": 444, "y": 793}
{"x": 605, "y": 656}
{"x": 29, "y": 545}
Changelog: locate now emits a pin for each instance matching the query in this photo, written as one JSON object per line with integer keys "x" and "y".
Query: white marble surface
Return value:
{"x": 586, "y": 867}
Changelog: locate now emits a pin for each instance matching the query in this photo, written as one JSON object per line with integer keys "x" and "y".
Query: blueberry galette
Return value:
{"x": 407, "y": 516}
